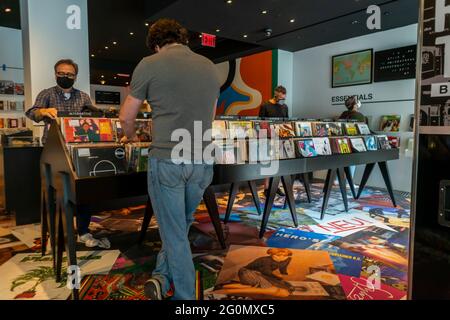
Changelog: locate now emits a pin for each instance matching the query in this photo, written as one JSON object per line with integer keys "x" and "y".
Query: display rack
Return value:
{"x": 64, "y": 194}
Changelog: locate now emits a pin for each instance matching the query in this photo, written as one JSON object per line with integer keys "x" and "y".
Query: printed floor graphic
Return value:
{"x": 357, "y": 255}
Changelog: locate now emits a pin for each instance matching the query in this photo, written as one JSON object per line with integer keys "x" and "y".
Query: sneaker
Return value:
{"x": 88, "y": 240}
{"x": 152, "y": 290}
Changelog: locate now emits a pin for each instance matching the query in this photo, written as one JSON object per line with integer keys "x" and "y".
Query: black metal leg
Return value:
{"x": 256, "y": 200}
{"x": 329, "y": 184}
{"x": 211, "y": 204}
{"x": 387, "y": 180}
{"x": 233, "y": 193}
{"x": 147, "y": 219}
{"x": 70, "y": 240}
{"x": 306, "y": 183}
{"x": 327, "y": 180}
{"x": 59, "y": 248}
{"x": 289, "y": 190}
{"x": 348, "y": 174}
{"x": 343, "y": 187}
{"x": 367, "y": 172}
{"x": 273, "y": 187}
{"x": 44, "y": 224}
{"x": 51, "y": 220}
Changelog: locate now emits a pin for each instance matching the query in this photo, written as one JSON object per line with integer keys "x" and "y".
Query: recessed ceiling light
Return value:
{"x": 92, "y": 55}
{"x": 245, "y": 36}
{"x": 106, "y": 48}
{"x": 131, "y": 33}
{"x": 7, "y": 10}
{"x": 200, "y": 36}
{"x": 103, "y": 76}
{"x": 147, "y": 24}
{"x": 115, "y": 43}
{"x": 217, "y": 30}
{"x": 264, "y": 12}
{"x": 103, "y": 82}
{"x": 229, "y": 1}
{"x": 127, "y": 83}
{"x": 292, "y": 21}
{"x": 115, "y": 78}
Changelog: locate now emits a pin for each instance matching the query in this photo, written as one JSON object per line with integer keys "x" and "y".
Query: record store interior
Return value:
{"x": 329, "y": 177}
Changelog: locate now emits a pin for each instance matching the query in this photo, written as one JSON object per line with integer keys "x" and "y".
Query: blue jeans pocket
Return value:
{"x": 170, "y": 175}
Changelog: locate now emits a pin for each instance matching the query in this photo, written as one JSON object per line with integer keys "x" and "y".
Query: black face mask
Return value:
{"x": 65, "y": 82}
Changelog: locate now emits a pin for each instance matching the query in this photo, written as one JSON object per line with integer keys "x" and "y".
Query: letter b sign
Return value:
{"x": 73, "y": 21}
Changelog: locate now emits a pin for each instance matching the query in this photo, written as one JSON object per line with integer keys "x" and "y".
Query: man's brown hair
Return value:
{"x": 281, "y": 89}
{"x": 69, "y": 62}
{"x": 166, "y": 31}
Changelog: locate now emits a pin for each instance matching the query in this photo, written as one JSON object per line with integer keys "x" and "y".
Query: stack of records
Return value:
{"x": 137, "y": 157}
{"x": 76, "y": 130}
{"x": 143, "y": 130}
{"x": 99, "y": 161}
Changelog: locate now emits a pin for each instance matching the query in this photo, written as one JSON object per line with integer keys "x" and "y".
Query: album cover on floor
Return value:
{"x": 322, "y": 146}
{"x": 87, "y": 130}
{"x": 98, "y": 162}
{"x": 303, "y": 129}
{"x": 278, "y": 273}
{"x": 387, "y": 246}
{"x": 296, "y": 239}
{"x": 358, "y": 145}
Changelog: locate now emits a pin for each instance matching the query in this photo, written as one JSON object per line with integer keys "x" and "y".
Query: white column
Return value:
{"x": 53, "y": 30}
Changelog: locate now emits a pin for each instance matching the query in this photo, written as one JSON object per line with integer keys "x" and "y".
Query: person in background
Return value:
{"x": 353, "y": 106}
{"x": 182, "y": 88}
{"x": 275, "y": 107}
{"x": 64, "y": 97}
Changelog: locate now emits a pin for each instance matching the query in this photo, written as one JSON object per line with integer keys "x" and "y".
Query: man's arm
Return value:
{"x": 41, "y": 109}
{"x": 128, "y": 114}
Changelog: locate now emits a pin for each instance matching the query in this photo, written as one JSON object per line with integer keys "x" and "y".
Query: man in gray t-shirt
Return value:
{"x": 182, "y": 88}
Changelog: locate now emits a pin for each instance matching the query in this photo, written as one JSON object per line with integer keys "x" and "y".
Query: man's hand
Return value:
{"x": 125, "y": 140}
{"x": 51, "y": 113}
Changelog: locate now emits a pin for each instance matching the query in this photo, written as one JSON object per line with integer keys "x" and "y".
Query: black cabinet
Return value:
{"x": 21, "y": 182}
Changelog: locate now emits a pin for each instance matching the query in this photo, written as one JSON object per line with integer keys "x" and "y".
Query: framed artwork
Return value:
{"x": 352, "y": 69}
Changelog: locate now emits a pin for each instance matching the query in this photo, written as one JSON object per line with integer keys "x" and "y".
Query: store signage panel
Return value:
{"x": 435, "y": 90}
{"x": 395, "y": 64}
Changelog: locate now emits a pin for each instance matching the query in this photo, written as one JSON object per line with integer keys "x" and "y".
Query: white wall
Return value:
{"x": 313, "y": 92}
{"x": 286, "y": 76}
{"x": 11, "y": 55}
{"x": 124, "y": 91}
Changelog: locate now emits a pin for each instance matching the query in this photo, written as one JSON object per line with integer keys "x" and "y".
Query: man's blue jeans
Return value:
{"x": 175, "y": 192}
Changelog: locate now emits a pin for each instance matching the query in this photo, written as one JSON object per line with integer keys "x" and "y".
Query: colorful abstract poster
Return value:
{"x": 296, "y": 239}
{"x": 246, "y": 84}
{"x": 31, "y": 276}
{"x": 363, "y": 289}
{"x": 276, "y": 273}
{"x": 345, "y": 262}
{"x": 389, "y": 247}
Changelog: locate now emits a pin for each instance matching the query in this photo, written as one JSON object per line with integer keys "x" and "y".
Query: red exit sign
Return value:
{"x": 208, "y": 40}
